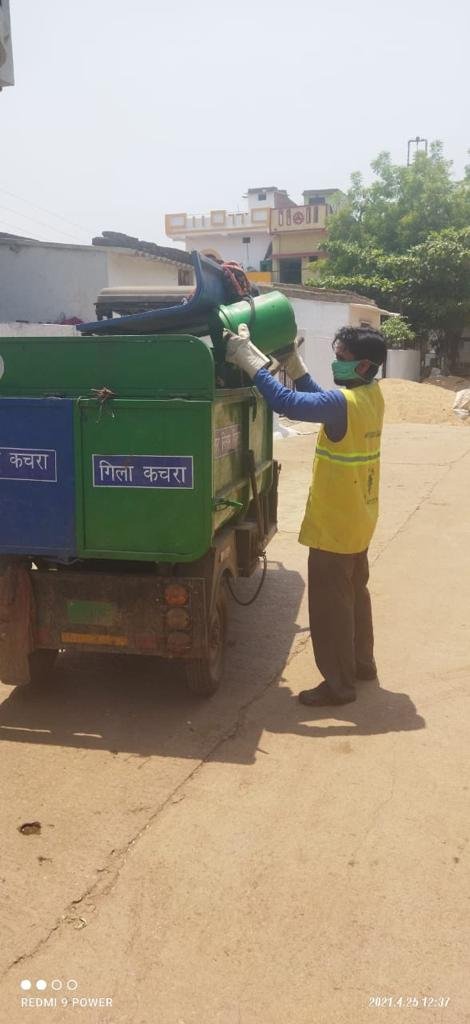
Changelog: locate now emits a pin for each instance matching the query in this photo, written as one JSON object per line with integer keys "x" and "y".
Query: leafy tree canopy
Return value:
{"x": 404, "y": 241}
{"x": 403, "y": 205}
{"x": 398, "y": 333}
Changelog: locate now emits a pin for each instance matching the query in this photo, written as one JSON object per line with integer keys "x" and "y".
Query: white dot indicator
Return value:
{"x": 25, "y": 984}
{"x": 41, "y": 984}
{"x": 72, "y": 985}
{"x": 56, "y": 984}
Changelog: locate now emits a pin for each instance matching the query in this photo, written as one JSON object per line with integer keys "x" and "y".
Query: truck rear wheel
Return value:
{"x": 41, "y": 665}
{"x": 204, "y": 675}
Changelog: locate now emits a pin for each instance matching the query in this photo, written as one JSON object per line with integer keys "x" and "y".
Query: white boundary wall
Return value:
{"x": 404, "y": 364}
{"x": 318, "y": 321}
{"x": 44, "y": 282}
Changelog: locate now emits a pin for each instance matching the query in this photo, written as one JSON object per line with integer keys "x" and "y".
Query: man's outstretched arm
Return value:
{"x": 328, "y": 407}
{"x": 307, "y": 383}
{"x": 317, "y": 406}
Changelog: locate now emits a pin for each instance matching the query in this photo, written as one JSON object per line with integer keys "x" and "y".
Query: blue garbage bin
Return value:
{"x": 37, "y": 477}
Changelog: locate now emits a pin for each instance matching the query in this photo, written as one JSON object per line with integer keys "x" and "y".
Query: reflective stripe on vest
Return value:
{"x": 353, "y": 459}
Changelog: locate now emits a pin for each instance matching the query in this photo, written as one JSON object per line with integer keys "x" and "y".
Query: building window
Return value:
{"x": 290, "y": 271}
{"x": 246, "y": 239}
{"x": 261, "y": 197}
{"x": 185, "y": 277}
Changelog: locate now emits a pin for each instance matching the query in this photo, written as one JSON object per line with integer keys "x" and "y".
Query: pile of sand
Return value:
{"x": 409, "y": 402}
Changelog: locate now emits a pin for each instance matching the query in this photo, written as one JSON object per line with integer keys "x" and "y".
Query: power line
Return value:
{"x": 34, "y": 220}
{"x": 16, "y": 229}
{"x": 35, "y": 206}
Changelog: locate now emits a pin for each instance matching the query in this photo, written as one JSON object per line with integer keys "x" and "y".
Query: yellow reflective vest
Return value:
{"x": 343, "y": 501}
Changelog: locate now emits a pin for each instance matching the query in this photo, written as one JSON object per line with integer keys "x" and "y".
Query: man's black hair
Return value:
{"x": 364, "y": 343}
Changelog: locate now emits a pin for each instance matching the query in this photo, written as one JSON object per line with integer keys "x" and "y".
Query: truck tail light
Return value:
{"x": 178, "y": 641}
{"x": 178, "y": 618}
{"x": 176, "y": 594}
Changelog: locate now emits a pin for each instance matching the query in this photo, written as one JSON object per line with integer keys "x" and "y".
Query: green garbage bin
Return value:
{"x": 270, "y": 319}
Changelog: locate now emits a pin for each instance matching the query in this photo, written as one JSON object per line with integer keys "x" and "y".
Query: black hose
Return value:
{"x": 258, "y": 589}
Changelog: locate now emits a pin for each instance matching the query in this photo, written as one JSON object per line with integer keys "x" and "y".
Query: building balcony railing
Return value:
{"x": 177, "y": 225}
{"x": 298, "y": 218}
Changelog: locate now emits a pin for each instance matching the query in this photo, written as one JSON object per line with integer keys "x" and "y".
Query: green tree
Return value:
{"x": 403, "y": 205}
{"x": 404, "y": 241}
{"x": 398, "y": 333}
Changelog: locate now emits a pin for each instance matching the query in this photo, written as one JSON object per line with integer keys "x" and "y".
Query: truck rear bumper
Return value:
{"x": 135, "y": 613}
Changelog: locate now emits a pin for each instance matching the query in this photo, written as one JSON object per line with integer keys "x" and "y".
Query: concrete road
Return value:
{"x": 247, "y": 860}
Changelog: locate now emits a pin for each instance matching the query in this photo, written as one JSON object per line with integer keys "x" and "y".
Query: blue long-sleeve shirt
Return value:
{"x": 309, "y": 402}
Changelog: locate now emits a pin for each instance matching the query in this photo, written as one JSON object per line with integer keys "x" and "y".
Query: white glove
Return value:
{"x": 242, "y": 353}
{"x": 294, "y": 363}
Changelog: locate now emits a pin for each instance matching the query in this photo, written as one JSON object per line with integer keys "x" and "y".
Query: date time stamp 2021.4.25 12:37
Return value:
{"x": 409, "y": 1002}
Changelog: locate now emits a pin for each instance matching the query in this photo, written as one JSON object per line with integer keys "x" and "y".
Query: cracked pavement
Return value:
{"x": 247, "y": 860}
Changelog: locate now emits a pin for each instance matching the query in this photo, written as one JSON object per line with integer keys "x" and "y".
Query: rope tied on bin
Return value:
{"x": 103, "y": 395}
{"x": 237, "y": 280}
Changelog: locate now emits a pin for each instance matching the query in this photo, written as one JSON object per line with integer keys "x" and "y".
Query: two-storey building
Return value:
{"x": 241, "y": 235}
{"x": 274, "y": 238}
{"x": 297, "y": 234}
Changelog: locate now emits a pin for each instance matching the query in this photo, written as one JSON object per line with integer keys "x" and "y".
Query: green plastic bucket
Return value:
{"x": 270, "y": 319}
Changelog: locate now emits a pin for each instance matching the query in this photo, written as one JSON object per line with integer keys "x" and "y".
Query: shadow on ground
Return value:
{"x": 376, "y": 711}
{"x": 140, "y": 707}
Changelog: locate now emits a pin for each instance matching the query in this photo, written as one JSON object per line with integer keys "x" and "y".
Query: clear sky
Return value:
{"x": 124, "y": 110}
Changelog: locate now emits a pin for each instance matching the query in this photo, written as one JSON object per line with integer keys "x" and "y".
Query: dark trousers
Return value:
{"x": 340, "y": 617}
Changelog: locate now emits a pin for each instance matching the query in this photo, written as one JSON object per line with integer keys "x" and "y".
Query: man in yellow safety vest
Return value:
{"x": 342, "y": 506}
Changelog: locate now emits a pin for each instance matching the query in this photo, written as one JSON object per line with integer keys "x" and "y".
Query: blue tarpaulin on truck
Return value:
{"x": 211, "y": 290}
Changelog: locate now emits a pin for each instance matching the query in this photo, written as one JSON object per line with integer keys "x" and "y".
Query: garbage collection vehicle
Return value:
{"x": 137, "y": 481}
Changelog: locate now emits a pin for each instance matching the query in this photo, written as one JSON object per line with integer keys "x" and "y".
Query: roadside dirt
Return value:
{"x": 248, "y": 860}
{"x": 429, "y": 402}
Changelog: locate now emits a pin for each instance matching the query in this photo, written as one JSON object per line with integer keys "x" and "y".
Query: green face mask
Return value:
{"x": 344, "y": 369}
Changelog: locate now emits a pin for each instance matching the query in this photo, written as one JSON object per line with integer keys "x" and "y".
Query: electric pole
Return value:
{"x": 416, "y": 142}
